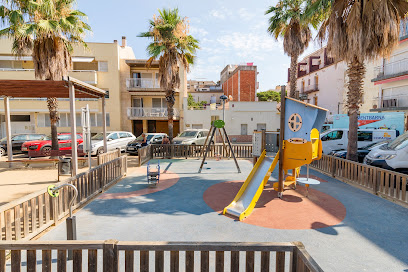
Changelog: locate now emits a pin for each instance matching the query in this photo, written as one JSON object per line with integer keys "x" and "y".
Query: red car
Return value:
{"x": 64, "y": 142}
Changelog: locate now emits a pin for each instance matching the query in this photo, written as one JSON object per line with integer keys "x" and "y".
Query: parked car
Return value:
{"x": 115, "y": 140}
{"x": 361, "y": 152}
{"x": 192, "y": 137}
{"x": 336, "y": 139}
{"x": 17, "y": 141}
{"x": 393, "y": 156}
{"x": 151, "y": 138}
{"x": 44, "y": 145}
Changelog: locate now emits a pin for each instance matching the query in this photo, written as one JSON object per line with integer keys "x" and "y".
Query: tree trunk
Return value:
{"x": 293, "y": 76}
{"x": 170, "y": 112}
{"x": 355, "y": 73}
{"x": 52, "y": 104}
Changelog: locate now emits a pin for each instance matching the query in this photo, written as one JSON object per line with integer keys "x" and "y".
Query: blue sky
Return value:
{"x": 229, "y": 31}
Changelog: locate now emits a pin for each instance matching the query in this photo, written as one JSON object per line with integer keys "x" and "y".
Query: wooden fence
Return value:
{"x": 26, "y": 217}
{"x": 388, "y": 184}
{"x": 145, "y": 154}
{"x": 192, "y": 151}
{"x": 163, "y": 256}
{"x": 109, "y": 156}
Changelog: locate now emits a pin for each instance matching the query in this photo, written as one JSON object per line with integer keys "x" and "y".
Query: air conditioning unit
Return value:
{"x": 390, "y": 103}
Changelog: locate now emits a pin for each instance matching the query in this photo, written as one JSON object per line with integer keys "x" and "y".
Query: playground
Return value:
{"x": 342, "y": 227}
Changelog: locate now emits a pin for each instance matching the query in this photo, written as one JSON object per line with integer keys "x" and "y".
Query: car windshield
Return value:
{"x": 64, "y": 137}
{"x": 399, "y": 142}
{"x": 98, "y": 137}
{"x": 148, "y": 137}
{"x": 370, "y": 146}
{"x": 188, "y": 134}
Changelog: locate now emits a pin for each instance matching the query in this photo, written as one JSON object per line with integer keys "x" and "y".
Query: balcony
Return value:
{"x": 310, "y": 89}
{"x": 392, "y": 99}
{"x": 390, "y": 70}
{"x": 139, "y": 113}
{"x": 142, "y": 84}
{"x": 87, "y": 76}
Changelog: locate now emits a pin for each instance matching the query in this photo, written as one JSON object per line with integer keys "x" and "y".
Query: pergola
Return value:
{"x": 68, "y": 87}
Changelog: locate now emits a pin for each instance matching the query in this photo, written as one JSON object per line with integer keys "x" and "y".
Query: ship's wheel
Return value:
{"x": 295, "y": 122}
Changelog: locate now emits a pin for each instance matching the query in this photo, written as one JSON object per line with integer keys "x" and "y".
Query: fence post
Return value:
{"x": 54, "y": 204}
{"x": 110, "y": 256}
{"x": 375, "y": 181}
{"x": 172, "y": 151}
{"x": 333, "y": 167}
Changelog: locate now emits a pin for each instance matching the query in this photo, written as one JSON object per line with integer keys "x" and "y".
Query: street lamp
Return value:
{"x": 223, "y": 98}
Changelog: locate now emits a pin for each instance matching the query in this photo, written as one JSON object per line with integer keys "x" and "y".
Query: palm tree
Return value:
{"x": 173, "y": 46}
{"x": 46, "y": 29}
{"x": 359, "y": 31}
{"x": 288, "y": 21}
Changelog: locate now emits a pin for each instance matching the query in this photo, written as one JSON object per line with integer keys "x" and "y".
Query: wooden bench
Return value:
{"x": 28, "y": 162}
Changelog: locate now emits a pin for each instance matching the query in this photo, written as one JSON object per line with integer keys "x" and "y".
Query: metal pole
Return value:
{"x": 223, "y": 110}
{"x": 281, "y": 139}
{"x": 212, "y": 131}
{"x": 74, "y": 151}
{"x": 88, "y": 117}
{"x": 105, "y": 143}
{"x": 8, "y": 128}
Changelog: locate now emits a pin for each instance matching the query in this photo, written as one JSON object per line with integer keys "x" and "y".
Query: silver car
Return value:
{"x": 192, "y": 137}
{"x": 115, "y": 140}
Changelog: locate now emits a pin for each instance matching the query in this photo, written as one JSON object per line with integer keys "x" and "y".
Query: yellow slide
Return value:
{"x": 247, "y": 197}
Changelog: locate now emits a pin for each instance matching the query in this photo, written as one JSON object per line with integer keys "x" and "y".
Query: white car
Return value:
{"x": 115, "y": 140}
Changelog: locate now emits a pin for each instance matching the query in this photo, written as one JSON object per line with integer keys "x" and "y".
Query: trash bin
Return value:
{"x": 64, "y": 166}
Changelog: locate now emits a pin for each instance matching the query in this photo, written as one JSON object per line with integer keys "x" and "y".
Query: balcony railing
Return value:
{"x": 143, "y": 112}
{"x": 142, "y": 83}
{"x": 309, "y": 89}
{"x": 392, "y": 69}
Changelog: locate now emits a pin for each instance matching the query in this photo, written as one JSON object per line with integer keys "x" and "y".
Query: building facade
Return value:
{"x": 135, "y": 103}
{"x": 207, "y": 92}
{"x": 239, "y": 82}
{"x": 241, "y": 118}
{"x": 390, "y": 78}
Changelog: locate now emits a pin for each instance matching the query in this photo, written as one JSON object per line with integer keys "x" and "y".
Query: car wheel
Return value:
{"x": 99, "y": 151}
{"x": 46, "y": 150}
{"x": 2, "y": 152}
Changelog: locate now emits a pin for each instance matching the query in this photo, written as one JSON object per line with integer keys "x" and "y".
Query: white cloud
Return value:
{"x": 244, "y": 14}
{"x": 220, "y": 13}
{"x": 247, "y": 42}
{"x": 198, "y": 31}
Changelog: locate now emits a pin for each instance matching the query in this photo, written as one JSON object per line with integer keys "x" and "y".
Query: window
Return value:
{"x": 260, "y": 127}
{"x": 129, "y": 135}
{"x": 197, "y": 126}
{"x": 200, "y": 134}
{"x": 308, "y": 82}
{"x": 123, "y": 135}
{"x": 20, "y": 118}
{"x": 113, "y": 136}
{"x": 334, "y": 135}
{"x": 244, "y": 129}
{"x": 315, "y": 100}
{"x": 102, "y": 66}
{"x": 34, "y": 137}
{"x": 137, "y": 102}
{"x": 365, "y": 136}
{"x": 159, "y": 102}
{"x": 22, "y": 137}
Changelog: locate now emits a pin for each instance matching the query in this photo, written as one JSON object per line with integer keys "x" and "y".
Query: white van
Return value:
{"x": 337, "y": 139}
{"x": 393, "y": 156}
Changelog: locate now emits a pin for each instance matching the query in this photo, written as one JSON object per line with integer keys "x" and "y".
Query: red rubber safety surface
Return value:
{"x": 294, "y": 211}
{"x": 167, "y": 179}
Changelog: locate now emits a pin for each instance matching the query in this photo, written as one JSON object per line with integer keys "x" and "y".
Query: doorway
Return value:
{"x": 137, "y": 127}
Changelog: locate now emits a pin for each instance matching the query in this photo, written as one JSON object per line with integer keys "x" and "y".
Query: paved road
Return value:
{"x": 372, "y": 237}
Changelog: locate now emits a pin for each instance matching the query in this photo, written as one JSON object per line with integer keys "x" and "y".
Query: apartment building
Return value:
{"x": 390, "y": 78}
{"x": 321, "y": 81}
{"x": 239, "y": 82}
{"x": 97, "y": 65}
{"x": 143, "y": 100}
{"x": 207, "y": 91}
{"x": 135, "y": 103}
